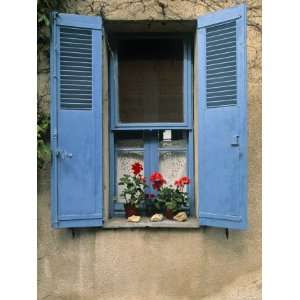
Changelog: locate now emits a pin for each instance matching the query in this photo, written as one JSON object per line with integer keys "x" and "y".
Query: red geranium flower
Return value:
{"x": 185, "y": 180}
{"x": 136, "y": 168}
{"x": 178, "y": 183}
{"x": 157, "y": 180}
{"x": 182, "y": 181}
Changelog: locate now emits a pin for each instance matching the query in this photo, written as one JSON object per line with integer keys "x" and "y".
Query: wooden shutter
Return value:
{"x": 222, "y": 118}
{"x": 76, "y": 121}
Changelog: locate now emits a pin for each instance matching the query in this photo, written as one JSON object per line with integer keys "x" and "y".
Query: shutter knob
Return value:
{"x": 63, "y": 154}
{"x": 68, "y": 155}
{"x": 235, "y": 141}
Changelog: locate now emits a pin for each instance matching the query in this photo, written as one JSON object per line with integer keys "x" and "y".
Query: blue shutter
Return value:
{"x": 76, "y": 121}
{"x": 222, "y": 122}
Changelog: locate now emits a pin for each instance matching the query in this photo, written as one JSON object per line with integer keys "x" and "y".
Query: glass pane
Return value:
{"x": 172, "y": 138}
{"x": 129, "y": 139}
{"x": 173, "y": 165}
{"x": 124, "y": 161}
{"x": 150, "y": 80}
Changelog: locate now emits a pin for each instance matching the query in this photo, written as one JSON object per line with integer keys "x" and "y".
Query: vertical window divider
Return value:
{"x": 154, "y": 152}
{"x": 185, "y": 80}
{"x": 147, "y": 159}
{"x": 150, "y": 154}
{"x": 112, "y": 173}
{"x": 190, "y": 170}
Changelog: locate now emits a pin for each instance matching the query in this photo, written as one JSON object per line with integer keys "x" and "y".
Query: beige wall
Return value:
{"x": 155, "y": 264}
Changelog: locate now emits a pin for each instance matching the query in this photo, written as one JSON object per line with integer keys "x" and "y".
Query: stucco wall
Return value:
{"x": 156, "y": 264}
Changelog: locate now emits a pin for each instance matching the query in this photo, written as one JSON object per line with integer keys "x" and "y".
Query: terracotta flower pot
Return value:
{"x": 130, "y": 210}
{"x": 169, "y": 214}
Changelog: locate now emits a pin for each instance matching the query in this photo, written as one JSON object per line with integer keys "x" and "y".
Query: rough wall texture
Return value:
{"x": 156, "y": 264}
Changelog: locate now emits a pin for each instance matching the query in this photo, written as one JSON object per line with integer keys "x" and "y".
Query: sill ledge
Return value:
{"x": 121, "y": 223}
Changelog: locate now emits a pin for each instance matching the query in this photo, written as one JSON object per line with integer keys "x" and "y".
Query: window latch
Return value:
{"x": 63, "y": 154}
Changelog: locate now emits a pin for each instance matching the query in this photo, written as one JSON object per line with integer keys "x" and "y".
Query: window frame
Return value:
{"x": 187, "y": 86}
{"x": 116, "y": 209}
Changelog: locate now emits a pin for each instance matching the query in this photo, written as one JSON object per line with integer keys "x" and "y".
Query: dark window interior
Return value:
{"x": 150, "y": 80}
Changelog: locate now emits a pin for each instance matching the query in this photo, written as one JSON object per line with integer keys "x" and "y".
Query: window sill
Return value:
{"x": 121, "y": 223}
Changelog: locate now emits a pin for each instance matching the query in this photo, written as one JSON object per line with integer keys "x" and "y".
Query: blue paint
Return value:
{"x": 222, "y": 166}
{"x": 79, "y": 21}
{"x": 190, "y": 171}
{"x": 76, "y": 184}
{"x": 222, "y": 16}
{"x": 53, "y": 90}
{"x": 243, "y": 94}
{"x": 188, "y": 75}
{"x": 148, "y": 168}
{"x": 150, "y": 127}
{"x": 114, "y": 77}
{"x": 112, "y": 173}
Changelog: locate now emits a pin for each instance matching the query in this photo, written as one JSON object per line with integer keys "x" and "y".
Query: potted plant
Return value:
{"x": 157, "y": 181}
{"x": 170, "y": 199}
{"x": 133, "y": 192}
{"x": 179, "y": 197}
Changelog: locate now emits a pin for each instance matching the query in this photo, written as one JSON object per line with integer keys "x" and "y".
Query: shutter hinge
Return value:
{"x": 74, "y": 233}
{"x": 227, "y": 233}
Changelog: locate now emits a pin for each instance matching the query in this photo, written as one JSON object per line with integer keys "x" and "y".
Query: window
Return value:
{"x": 150, "y": 79}
{"x": 150, "y": 99}
{"x": 151, "y": 116}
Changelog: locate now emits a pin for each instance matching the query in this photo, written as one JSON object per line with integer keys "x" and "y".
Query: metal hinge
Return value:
{"x": 54, "y": 134}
